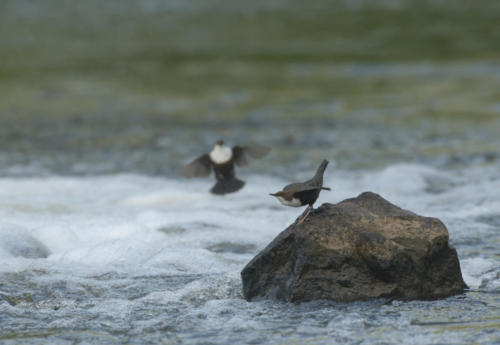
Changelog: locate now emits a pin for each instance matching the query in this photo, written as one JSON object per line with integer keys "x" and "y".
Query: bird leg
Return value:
{"x": 304, "y": 214}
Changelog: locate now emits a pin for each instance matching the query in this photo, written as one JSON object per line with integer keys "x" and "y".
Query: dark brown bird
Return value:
{"x": 222, "y": 160}
{"x": 303, "y": 193}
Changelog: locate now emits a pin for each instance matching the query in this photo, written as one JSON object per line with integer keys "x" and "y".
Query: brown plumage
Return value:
{"x": 303, "y": 193}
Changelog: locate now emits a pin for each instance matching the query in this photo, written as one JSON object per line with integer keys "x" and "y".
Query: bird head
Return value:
{"x": 288, "y": 195}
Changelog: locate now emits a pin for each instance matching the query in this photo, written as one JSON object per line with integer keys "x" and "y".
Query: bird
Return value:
{"x": 221, "y": 160}
{"x": 303, "y": 193}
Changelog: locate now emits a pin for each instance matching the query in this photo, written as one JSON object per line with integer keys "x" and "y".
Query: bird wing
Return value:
{"x": 300, "y": 187}
{"x": 241, "y": 153}
{"x": 291, "y": 186}
{"x": 200, "y": 167}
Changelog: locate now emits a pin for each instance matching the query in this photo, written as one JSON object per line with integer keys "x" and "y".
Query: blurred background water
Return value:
{"x": 138, "y": 86}
{"x": 102, "y": 102}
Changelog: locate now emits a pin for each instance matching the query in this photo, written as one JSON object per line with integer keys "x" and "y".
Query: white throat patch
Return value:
{"x": 294, "y": 202}
{"x": 221, "y": 154}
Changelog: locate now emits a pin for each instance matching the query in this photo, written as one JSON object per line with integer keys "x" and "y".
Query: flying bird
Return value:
{"x": 221, "y": 160}
{"x": 303, "y": 193}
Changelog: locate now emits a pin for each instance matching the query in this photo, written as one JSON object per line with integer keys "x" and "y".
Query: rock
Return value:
{"x": 17, "y": 242}
{"x": 358, "y": 249}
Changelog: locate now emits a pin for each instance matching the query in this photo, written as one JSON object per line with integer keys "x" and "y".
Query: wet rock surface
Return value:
{"x": 360, "y": 248}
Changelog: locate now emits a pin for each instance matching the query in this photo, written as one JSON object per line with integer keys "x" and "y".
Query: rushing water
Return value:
{"x": 136, "y": 259}
{"x": 102, "y": 242}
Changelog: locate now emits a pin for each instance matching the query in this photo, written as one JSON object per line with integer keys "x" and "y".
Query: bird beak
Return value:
{"x": 272, "y": 194}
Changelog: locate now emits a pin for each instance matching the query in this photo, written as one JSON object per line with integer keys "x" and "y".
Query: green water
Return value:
{"x": 87, "y": 87}
{"x": 102, "y": 87}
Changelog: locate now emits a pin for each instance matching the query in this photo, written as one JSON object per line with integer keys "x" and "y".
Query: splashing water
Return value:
{"x": 136, "y": 259}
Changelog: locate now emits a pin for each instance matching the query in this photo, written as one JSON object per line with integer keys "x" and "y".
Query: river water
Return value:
{"x": 101, "y": 241}
{"x": 138, "y": 259}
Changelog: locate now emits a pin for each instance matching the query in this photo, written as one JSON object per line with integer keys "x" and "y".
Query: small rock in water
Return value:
{"x": 230, "y": 247}
{"x": 358, "y": 249}
{"x": 17, "y": 242}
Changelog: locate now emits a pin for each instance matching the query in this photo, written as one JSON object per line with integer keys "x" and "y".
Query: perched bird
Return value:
{"x": 222, "y": 160}
{"x": 303, "y": 193}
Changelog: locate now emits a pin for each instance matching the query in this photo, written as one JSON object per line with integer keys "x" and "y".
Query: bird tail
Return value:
{"x": 318, "y": 177}
{"x": 227, "y": 186}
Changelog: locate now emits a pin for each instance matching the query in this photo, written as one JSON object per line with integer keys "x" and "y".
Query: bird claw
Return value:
{"x": 304, "y": 216}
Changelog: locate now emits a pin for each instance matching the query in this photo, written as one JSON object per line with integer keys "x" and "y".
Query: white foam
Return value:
{"x": 134, "y": 254}
{"x": 138, "y": 224}
{"x": 114, "y": 221}
{"x": 477, "y": 271}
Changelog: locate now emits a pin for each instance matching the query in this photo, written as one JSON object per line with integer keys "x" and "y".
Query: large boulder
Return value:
{"x": 360, "y": 248}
